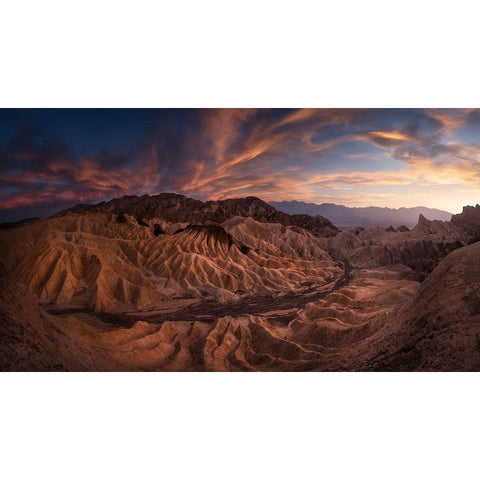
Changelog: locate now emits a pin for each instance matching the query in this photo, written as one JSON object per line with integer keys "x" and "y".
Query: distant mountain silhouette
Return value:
{"x": 363, "y": 216}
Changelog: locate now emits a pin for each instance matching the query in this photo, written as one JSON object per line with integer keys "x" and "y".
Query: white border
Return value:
{"x": 237, "y": 426}
{"x": 239, "y": 54}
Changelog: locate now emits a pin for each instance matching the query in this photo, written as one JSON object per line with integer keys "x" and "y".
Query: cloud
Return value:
{"x": 452, "y": 119}
{"x": 272, "y": 143}
{"x": 303, "y": 154}
{"x": 387, "y": 138}
{"x": 35, "y": 170}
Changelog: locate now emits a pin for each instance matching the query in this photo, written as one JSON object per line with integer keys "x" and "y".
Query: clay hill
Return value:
{"x": 366, "y": 217}
{"x": 171, "y": 283}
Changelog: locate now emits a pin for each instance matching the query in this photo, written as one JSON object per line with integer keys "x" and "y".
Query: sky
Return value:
{"x": 52, "y": 159}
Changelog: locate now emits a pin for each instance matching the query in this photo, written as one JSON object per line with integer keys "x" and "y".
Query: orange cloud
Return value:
{"x": 274, "y": 155}
{"x": 451, "y": 119}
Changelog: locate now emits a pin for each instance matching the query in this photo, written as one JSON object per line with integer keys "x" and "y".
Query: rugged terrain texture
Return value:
{"x": 106, "y": 265}
{"x": 131, "y": 285}
{"x": 174, "y": 208}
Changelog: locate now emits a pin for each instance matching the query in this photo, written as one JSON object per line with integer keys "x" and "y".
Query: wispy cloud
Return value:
{"x": 304, "y": 154}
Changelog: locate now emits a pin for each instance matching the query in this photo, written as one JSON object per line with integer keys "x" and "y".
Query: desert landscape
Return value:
{"x": 263, "y": 253}
{"x": 170, "y": 283}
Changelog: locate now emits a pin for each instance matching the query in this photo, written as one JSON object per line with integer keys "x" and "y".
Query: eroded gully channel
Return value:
{"x": 281, "y": 309}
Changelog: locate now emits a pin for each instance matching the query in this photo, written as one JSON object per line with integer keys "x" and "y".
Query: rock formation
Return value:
{"x": 174, "y": 208}
{"x": 170, "y": 283}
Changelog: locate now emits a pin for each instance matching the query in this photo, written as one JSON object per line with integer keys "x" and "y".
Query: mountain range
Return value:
{"x": 348, "y": 217}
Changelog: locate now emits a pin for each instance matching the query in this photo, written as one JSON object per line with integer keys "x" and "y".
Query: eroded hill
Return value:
{"x": 161, "y": 283}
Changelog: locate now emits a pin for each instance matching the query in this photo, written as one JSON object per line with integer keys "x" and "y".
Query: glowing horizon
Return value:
{"x": 54, "y": 159}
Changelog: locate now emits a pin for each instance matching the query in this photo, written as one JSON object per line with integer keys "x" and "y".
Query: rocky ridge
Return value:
{"x": 175, "y": 208}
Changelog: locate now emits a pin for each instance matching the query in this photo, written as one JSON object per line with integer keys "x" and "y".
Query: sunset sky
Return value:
{"x": 54, "y": 159}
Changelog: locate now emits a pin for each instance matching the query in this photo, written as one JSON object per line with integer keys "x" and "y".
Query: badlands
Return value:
{"x": 168, "y": 283}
